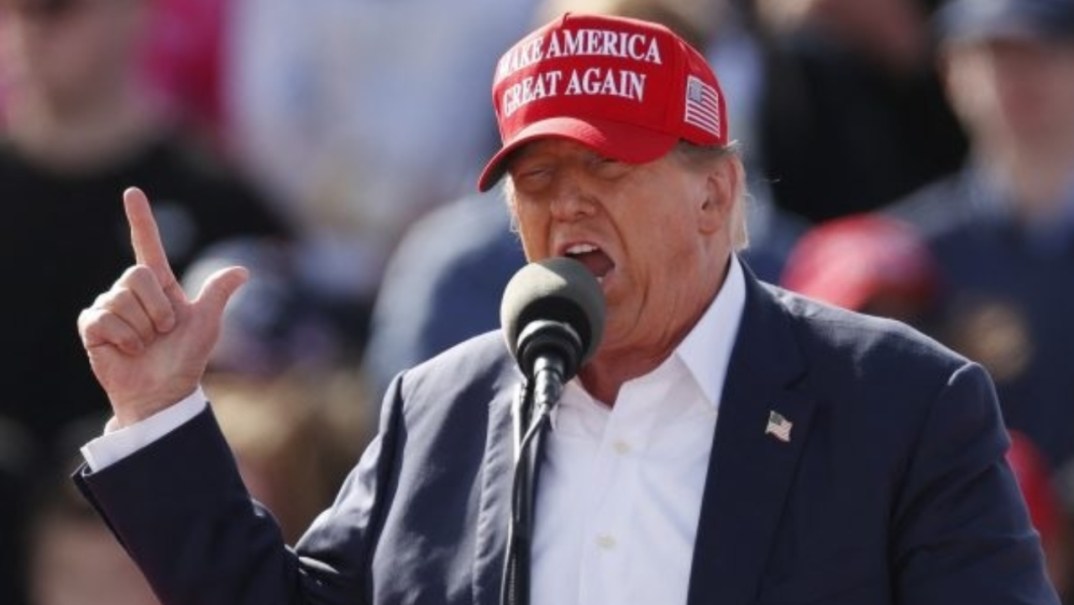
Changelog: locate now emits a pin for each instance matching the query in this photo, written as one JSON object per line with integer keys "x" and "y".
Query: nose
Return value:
{"x": 571, "y": 201}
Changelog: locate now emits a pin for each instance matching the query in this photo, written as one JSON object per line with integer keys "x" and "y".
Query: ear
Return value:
{"x": 722, "y": 187}
{"x": 962, "y": 72}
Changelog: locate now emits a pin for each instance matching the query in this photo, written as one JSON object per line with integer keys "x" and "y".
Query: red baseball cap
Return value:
{"x": 853, "y": 260}
{"x": 1035, "y": 482}
{"x": 628, "y": 89}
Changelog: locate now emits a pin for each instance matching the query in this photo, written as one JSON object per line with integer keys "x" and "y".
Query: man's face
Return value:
{"x": 1014, "y": 91}
{"x": 648, "y": 232}
{"x": 66, "y": 48}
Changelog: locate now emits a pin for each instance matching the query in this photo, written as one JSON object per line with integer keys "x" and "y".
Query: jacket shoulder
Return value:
{"x": 475, "y": 370}
{"x": 848, "y": 346}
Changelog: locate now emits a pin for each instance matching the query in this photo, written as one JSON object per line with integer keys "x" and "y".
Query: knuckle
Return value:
{"x": 102, "y": 300}
{"x": 135, "y": 277}
{"x": 87, "y": 317}
{"x": 128, "y": 342}
{"x": 85, "y": 323}
{"x": 123, "y": 336}
{"x": 121, "y": 301}
{"x": 92, "y": 327}
{"x": 122, "y": 295}
{"x": 160, "y": 315}
{"x": 136, "y": 272}
{"x": 129, "y": 275}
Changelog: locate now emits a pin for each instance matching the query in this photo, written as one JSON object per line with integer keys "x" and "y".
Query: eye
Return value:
{"x": 532, "y": 172}
{"x": 531, "y": 177}
{"x": 608, "y": 168}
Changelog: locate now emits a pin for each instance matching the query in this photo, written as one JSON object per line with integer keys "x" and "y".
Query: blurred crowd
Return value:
{"x": 907, "y": 158}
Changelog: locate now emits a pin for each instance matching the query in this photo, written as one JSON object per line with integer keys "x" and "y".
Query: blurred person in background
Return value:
{"x": 1002, "y": 229}
{"x": 80, "y": 127}
{"x": 181, "y": 61}
{"x": 294, "y": 436}
{"x": 852, "y": 114}
{"x": 868, "y": 263}
{"x": 279, "y": 323}
{"x": 361, "y": 116}
{"x": 73, "y": 559}
{"x": 453, "y": 263}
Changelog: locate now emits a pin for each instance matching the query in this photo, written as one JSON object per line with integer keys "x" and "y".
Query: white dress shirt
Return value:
{"x": 620, "y": 488}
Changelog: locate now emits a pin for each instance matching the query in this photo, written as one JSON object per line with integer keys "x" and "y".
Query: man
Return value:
{"x": 853, "y": 460}
{"x": 79, "y": 127}
{"x": 1002, "y": 228}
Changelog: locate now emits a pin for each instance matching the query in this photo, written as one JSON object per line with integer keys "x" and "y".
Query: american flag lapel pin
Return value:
{"x": 779, "y": 427}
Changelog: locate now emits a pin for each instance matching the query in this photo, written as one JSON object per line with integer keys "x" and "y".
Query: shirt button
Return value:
{"x": 606, "y": 541}
{"x": 621, "y": 447}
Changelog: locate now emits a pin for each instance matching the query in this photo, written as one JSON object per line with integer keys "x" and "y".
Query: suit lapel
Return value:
{"x": 750, "y": 470}
{"x": 494, "y": 508}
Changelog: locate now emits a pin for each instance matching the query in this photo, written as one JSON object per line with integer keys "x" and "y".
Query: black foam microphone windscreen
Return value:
{"x": 559, "y": 290}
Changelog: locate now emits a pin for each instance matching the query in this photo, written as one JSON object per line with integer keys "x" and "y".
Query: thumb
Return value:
{"x": 219, "y": 288}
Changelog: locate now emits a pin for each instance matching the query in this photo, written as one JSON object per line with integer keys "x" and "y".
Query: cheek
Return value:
{"x": 533, "y": 233}
{"x": 1062, "y": 85}
{"x": 653, "y": 248}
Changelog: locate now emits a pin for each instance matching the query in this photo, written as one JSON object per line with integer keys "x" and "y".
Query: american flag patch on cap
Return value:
{"x": 702, "y": 106}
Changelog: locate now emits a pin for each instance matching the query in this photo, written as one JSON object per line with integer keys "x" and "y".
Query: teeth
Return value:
{"x": 582, "y": 249}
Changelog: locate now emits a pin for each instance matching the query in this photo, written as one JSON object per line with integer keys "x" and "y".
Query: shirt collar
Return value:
{"x": 706, "y": 350}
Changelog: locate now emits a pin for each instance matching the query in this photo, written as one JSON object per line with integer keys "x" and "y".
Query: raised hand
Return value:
{"x": 148, "y": 343}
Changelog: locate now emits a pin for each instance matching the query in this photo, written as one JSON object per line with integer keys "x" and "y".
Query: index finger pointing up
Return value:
{"x": 145, "y": 237}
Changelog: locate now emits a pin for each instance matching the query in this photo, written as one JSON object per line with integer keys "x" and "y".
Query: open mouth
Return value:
{"x": 594, "y": 259}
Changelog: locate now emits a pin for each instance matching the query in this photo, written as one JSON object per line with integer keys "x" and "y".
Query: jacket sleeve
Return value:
{"x": 180, "y": 509}
{"x": 961, "y": 533}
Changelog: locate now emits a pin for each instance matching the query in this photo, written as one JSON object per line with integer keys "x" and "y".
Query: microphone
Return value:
{"x": 552, "y": 315}
{"x": 553, "y": 319}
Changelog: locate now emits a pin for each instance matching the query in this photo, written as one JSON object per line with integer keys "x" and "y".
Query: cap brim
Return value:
{"x": 972, "y": 21}
{"x": 616, "y": 140}
{"x": 997, "y": 30}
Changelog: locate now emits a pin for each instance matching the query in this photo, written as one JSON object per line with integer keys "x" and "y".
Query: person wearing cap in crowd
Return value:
{"x": 1002, "y": 228}
{"x": 853, "y": 461}
{"x": 869, "y": 263}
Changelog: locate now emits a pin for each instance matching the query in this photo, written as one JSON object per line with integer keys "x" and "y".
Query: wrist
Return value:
{"x": 128, "y": 412}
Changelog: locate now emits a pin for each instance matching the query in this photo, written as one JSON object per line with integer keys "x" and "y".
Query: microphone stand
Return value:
{"x": 532, "y": 410}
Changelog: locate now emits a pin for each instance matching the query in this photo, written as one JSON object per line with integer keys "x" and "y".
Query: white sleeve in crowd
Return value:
{"x": 117, "y": 444}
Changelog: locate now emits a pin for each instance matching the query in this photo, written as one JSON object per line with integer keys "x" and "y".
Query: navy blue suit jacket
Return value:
{"x": 892, "y": 489}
